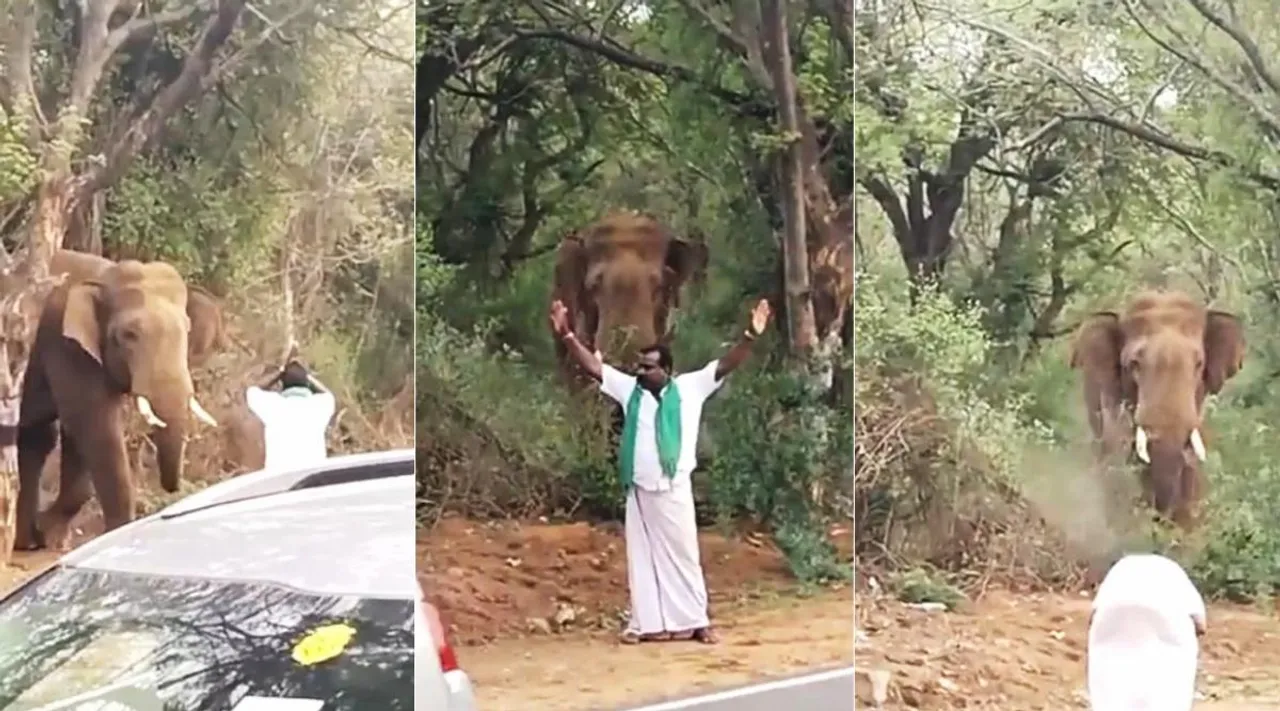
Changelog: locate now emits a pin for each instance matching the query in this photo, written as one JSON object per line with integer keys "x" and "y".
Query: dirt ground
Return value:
{"x": 25, "y": 564}
{"x": 1024, "y": 652}
{"x": 535, "y": 609}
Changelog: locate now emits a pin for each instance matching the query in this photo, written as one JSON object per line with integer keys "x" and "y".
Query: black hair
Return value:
{"x": 294, "y": 376}
{"x": 664, "y": 355}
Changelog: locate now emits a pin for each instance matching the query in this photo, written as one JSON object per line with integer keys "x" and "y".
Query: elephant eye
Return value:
{"x": 129, "y": 335}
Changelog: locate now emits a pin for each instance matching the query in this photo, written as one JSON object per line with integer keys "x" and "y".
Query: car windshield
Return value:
{"x": 145, "y": 643}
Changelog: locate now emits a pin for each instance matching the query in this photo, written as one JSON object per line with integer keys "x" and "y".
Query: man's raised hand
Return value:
{"x": 760, "y": 316}
{"x": 559, "y": 318}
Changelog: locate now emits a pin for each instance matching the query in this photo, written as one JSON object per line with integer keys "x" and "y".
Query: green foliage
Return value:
{"x": 780, "y": 452}
{"x": 17, "y": 163}
{"x": 918, "y": 585}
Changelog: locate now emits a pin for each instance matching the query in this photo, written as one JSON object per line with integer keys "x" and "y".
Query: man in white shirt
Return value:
{"x": 661, "y": 413}
{"x": 1143, "y": 637}
{"x": 294, "y": 419}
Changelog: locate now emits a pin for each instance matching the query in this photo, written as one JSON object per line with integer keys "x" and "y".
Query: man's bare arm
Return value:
{"x": 736, "y": 356}
{"x": 315, "y": 383}
{"x": 585, "y": 358}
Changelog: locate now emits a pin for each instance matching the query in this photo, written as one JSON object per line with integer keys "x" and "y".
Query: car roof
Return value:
{"x": 342, "y": 527}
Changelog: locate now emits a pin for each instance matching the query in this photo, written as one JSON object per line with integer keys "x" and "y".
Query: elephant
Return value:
{"x": 126, "y": 329}
{"x": 1156, "y": 362}
{"x": 619, "y": 279}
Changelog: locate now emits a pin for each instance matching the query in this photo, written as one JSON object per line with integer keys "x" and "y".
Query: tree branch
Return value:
{"x": 1156, "y": 137}
{"x": 1250, "y": 101}
{"x": 137, "y": 27}
{"x": 736, "y": 43}
{"x": 1246, "y": 43}
{"x": 744, "y": 103}
{"x": 198, "y": 70}
{"x": 23, "y": 101}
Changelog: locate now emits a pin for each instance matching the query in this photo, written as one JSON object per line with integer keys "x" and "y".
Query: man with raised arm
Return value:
{"x": 662, "y": 412}
{"x": 294, "y": 418}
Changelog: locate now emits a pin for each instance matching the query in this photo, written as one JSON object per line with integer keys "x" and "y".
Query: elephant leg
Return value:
{"x": 35, "y": 442}
{"x": 99, "y": 437}
{"x": 74, "y": 490}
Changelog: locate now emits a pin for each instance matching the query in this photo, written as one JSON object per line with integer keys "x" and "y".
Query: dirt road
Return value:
{"x": 501, "y": 586}
{"x": 1025, "y": 652}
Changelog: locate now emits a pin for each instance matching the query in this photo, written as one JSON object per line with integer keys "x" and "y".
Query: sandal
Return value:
{"x": 705, "y": 635}
{"x": 629, "y": 637}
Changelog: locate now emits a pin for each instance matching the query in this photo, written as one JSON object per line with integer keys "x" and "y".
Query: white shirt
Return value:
{"x": 695, "y": 387}
{"x": 1143, "y": 650}
{"x": 293, "y": 426}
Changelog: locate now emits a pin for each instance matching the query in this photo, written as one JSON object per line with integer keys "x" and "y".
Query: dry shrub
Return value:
{"x": 925, "y": 494}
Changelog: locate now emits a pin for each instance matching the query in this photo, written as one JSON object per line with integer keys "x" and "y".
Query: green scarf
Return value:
{"x": 668, "y": 429}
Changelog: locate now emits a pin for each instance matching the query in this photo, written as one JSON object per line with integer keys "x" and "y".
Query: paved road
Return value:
{"x": 821, "y": 691}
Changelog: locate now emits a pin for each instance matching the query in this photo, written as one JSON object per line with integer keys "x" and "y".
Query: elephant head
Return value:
{"x": 1158, "y": 360}
{"x": 138, "y": 321}
{"x": 620, "y": 278}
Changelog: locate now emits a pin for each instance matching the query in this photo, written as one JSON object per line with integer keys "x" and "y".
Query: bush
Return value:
{"x": 940, "y": 440}
{"x": 781, "y": 458}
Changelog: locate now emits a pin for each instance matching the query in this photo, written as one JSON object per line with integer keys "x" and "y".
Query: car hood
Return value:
{"x": 348, "y": 539}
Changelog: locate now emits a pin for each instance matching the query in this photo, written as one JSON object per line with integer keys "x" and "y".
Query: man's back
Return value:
{"x": 293, "y": 424}
{"x": 1143, "y": 648}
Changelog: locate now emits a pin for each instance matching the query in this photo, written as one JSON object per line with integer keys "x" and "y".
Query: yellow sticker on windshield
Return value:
{"x": 323, "y": 643}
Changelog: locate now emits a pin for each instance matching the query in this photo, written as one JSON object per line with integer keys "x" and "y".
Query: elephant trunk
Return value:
{"x": 169, "y": 431}
{"x": 1166, "y": 437}
{"x": 171, "y": 444}
{"x": 1168, "y": 459}
{"x": 621, "y": 336}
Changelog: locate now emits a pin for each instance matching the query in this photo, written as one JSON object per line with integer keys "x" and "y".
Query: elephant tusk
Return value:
{"x": 200, "y": 412}
{"x": 1197, "y": 444}
{"x": 144, "y": 406}
{"x": 1140, "y": 445}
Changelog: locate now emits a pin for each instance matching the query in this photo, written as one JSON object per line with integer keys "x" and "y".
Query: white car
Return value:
{"x": 276, "y": 590}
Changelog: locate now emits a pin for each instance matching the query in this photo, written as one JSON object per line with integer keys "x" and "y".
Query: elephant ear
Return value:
{"x": 80, "y": 318}
{"x": 686, "y": 261}
{"x": 1223, "y": 349}
{"x": 571, "y": 276}
{"x": 1096, "y": 350}
{"x": 206, "y": 325}
{"x": 1098, "y": 342}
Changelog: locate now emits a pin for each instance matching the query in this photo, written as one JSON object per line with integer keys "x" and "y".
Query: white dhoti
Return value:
{"x": 664, "y": 569}
{"x": 1143, "y": 648}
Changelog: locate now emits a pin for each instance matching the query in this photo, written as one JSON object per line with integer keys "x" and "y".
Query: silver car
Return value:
{"x": 287, "y": 590}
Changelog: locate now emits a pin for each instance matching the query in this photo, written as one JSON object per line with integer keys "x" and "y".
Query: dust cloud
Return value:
{"x": 1089, "y": 504}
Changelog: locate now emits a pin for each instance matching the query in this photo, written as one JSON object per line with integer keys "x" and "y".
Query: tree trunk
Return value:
{"x": 24, "y": 284}
{"x": 795, "y": 254}
{"x": 10, "y": 405}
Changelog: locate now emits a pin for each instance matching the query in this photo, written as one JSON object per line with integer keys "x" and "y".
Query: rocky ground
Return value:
{"x": 1025, "y": 651}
